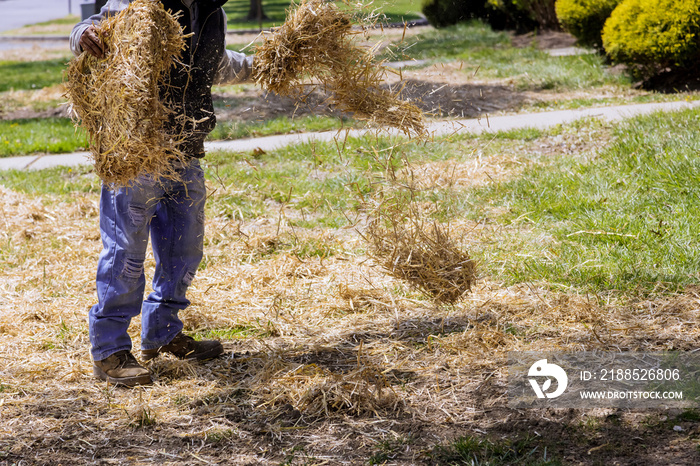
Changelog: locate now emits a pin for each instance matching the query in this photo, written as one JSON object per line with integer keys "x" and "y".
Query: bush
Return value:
{"x": 499, "y": 14}
{"x": 654, "y": 34}
{"x": 584, "y": 19}
{"x": 515, "y": 14}
{"x": 542, "y": 11}
{"x": 443, "y": 13}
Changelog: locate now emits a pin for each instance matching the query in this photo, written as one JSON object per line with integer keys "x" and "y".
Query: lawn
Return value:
{"x": 40, "y": 135}
{"x": 575, "y": 242}
{"x": 18, "y": 75}
{"x": 236, "y": 12}
{"x": 472, "y": 51}
{"x": 584, "y": 238}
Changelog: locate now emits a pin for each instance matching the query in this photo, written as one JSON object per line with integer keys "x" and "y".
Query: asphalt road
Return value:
{"x": 18, "y": 13}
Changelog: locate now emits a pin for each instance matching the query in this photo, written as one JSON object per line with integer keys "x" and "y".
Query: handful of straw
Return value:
{"x": 118, "y": 99}
{"x": 424, "y": 255}
{"x": 316, "y": 41}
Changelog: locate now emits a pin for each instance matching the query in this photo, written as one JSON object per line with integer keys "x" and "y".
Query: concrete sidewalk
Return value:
{"x": 540, "y": 120}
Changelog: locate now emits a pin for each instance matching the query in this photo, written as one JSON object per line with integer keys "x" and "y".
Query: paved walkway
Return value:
{"x": 540, "y": 120}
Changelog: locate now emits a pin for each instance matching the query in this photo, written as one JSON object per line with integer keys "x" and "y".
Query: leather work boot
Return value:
{"x": 186, "y": 347}
{"x": 121, "y": 368}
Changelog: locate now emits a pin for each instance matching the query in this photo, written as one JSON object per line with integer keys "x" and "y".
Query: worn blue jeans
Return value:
{"x": 173, "y": 214}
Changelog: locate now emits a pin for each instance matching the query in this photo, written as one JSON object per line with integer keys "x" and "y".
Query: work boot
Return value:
{"x": 186, "y": 347}
{"x": 121, "y": 368}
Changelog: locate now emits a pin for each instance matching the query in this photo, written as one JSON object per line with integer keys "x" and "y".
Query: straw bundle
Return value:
{"x": 364, "y": 391}
{"x": 425, "y": 256}
{"x": 317, "y": 387}
{"x": 316, "y": 41}
{"x": 118, "y": 98}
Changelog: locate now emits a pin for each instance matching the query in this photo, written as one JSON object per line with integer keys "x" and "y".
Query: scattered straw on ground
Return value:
{"x": 118, "y": 98}
{"x": 316, "y": 42}
{"x": 329, "y": 352}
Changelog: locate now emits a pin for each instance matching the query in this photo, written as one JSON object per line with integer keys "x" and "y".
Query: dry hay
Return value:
{"x": 282, "y": 380}
{"x": 118, "y": 99}
{"x": 316, "y": 41}
{"x": 425, "y": 254}
{"x": 333, "y": 379}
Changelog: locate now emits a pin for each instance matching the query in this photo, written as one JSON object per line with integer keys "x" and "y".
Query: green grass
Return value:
{"x": 625, "y": 219}
{"x": 387, "y": 450}
{"x": 279, "y": 125}
{"x": 325, "y": 185}
{"x": 453, "y": 42}
{"x": 236, "y": 12}
{"x": 397, "y": 11}
{"x": 232, "y": 333}
{"x": 690, "y": 415}
{"x": 566, "y": 103}
{"x": 487, "y": 54}
{"x": 48, "y": 135}
{"x": 62, "y": 181}
{"x": 18, "y": 75}
{"x": 393, "y": 10}
{"x": 483, "y": 452}
{"x": 59, "y": 135}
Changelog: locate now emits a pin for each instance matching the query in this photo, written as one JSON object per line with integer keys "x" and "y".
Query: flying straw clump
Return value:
{"x": 316, "y": 41}
{"x": 425, "y": 255}
{"x": 118, "y": 98}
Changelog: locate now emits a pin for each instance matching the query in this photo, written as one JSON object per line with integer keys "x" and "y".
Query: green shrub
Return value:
{"x": 584, "y": 19}
{"x": 499, "y": 14}
{"x": 654, "y": 34}
{"x": 443, "y": 13}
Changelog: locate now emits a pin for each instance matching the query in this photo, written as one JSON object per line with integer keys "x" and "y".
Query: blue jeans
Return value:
{"x": 173, "y": 214}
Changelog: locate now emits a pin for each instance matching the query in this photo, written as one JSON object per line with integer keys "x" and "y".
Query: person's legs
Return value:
{"x": 177, "y": 236}
{"x": 124, "y": 223}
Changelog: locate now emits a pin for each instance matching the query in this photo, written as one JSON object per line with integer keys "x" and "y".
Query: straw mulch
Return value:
{"x": 352, "y": 355}
{"x": 117, "y": 99}
{"x": 316, "y": 41}
{"x": 423, "y": 254}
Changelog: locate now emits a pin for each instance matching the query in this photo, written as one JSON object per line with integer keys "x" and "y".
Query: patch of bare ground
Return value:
{"x": 44, "y": 103}
{"x": 35, "y": 53}
{"x": 543, "y": 40}
{"x": 441, "y": 97}
{"x": 327, "y": 357}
